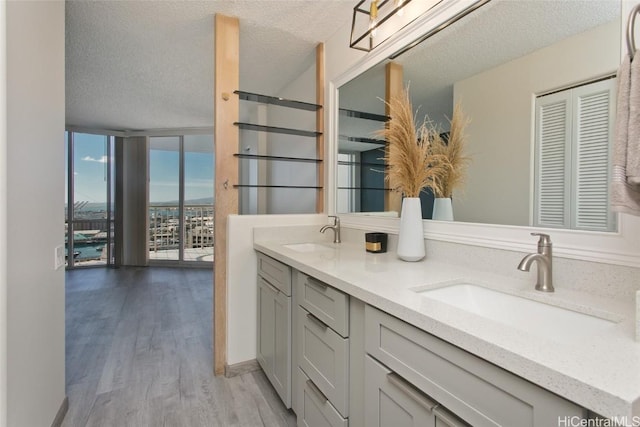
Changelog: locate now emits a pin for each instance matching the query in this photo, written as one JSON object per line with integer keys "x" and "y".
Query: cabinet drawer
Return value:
{"x": 275, "y": 272}
{"x": 477, "y": 391}
{"x": 326, "y": 303}
{"x": 315, "y": 409}
{"x": 324, "y": 357}
{"x": 391, "y": 402}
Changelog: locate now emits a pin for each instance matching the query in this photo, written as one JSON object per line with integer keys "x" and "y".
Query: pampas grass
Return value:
{"x": 453, "y": 150}
{"x": 412, "y": 164}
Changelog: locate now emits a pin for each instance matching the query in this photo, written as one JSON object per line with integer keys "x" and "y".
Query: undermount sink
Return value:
{"x": 531, "y": 316}
{"x": 308, "y": 247}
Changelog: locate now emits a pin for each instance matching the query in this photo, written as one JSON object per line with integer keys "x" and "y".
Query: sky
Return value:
{"x": 90, "y": 161}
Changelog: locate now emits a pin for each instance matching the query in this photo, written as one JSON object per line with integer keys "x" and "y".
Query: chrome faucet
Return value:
{"x": 335, "y": 227}
{"x": 545, "y": 279}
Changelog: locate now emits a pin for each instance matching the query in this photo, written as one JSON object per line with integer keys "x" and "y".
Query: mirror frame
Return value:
{"x": 620, "y": 248}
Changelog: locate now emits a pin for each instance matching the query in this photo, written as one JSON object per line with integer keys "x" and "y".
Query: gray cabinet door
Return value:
{"x": 392, "y": 402}
{"x": 282, "y": 347}
{"x": 266, "y": 330}
{"x": 274, "y": 338}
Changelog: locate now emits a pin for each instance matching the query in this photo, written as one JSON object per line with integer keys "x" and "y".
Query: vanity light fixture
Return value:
{"x": 374, "y": 21}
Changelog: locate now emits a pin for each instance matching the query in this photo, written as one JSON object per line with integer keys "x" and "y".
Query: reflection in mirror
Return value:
{"x": 361, "y": 186}
{"x": 558, "y": 56}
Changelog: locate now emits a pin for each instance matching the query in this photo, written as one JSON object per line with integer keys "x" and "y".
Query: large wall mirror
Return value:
{"x": 503, "y": 63}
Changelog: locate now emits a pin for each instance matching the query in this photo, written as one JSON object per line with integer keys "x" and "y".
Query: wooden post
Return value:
{"x": 393, "y": 87}
{"x": 320, "y": 126}
{"x": 226, "y": 137}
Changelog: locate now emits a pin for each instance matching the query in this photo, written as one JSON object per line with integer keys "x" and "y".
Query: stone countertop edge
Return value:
{"x": 601, "y": 373}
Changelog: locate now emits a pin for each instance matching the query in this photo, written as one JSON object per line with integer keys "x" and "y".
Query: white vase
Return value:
{"x": 442, "y": 209}
{"x": 411, "y": 236}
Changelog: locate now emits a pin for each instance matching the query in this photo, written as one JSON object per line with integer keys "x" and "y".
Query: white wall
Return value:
{"x": 3, "y": 217}
{"x": 339, "y": 57}
{"x": 35, "y": 211}
{"x": 500, "y": 103}
{"x": 241, "y": 278}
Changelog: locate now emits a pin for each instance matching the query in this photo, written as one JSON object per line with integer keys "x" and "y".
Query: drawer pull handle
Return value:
{"x": 415, "y": 394}
{"x": 317, "y": 321}
{"x": 317, "y": 283}
{"x": 273, "y": 288}
{"x": 314, "y": 388}
{"x": 448, "y": 419}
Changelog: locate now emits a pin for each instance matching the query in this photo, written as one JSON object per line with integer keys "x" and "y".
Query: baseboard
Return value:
{"x": 64, "y": 407}
{"x": 241, "y": 368}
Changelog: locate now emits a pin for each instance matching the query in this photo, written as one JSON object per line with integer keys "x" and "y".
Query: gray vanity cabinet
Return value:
{"x": 430, "y": 369}
{"x": 352, "y": 365}
{"x": 274, "y": 324}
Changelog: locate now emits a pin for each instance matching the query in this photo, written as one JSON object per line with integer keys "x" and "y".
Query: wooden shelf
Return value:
{"x": 274, "y": 129}
{"x": 274, "y": 100}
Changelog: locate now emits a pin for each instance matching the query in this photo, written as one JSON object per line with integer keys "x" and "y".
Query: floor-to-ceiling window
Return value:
{"x": 89, "y": 199}
{"x": 181, "y": 198}
{"x": 198, "y": 197}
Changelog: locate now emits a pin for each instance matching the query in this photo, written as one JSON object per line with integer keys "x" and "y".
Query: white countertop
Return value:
{"x": 600, "y": 372}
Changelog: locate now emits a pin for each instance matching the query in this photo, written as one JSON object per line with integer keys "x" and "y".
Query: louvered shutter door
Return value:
{"x": 553, "y": 127}
{"x": 592, "y": 129}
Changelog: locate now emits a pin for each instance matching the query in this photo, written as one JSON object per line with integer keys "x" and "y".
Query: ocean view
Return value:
{"x": 88, "y": 252}
{"x": 91, "y": 225}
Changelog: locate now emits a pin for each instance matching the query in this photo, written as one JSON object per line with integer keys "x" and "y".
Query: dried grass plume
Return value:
{"x": 454, "y": 151}
{"x": 412, "y": 164}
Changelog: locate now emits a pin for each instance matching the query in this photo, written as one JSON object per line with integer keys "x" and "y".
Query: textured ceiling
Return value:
{"x": 134, "y": 65}
{"x": 148, "y": 64}
{"x": 499, "y": 31}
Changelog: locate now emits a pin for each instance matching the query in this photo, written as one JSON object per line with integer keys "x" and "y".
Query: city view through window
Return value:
{"x": 180, "y": 199}
{"x": 89, "y": 211}
{"x": 181, "y": 178}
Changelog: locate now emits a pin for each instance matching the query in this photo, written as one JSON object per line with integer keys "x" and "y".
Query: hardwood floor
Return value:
{"x": 139, "y": 353}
